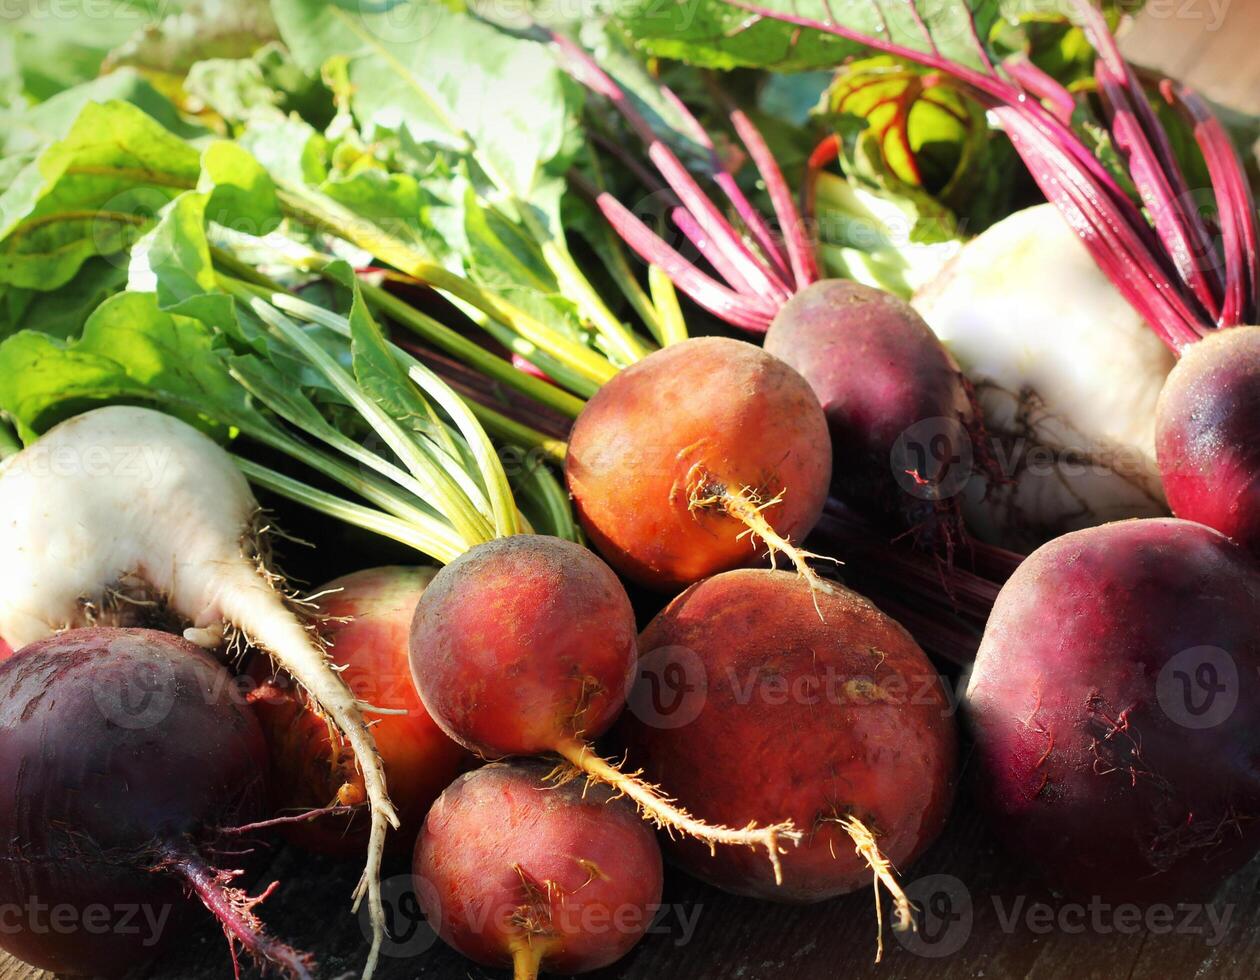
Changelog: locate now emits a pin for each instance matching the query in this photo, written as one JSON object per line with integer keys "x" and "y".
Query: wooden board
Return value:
{"x": 984, "y": 929}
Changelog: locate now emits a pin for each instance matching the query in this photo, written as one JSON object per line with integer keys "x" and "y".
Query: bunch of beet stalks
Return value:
{"x": 690, "y": 471}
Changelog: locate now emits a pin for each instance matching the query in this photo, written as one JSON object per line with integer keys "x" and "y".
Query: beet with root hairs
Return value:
{"x": 514, "y": 870}
{"x": 366, "y": 621}
{"x": 1114, "y": 703}
{"x": 128, "y": 760}
{"x": 839, "y": 723}
{"x": 680, "y": 456}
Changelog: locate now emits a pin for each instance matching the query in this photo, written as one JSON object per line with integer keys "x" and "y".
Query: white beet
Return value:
{"x": 1059, "y": 356}
{"x": 120, "y": 497}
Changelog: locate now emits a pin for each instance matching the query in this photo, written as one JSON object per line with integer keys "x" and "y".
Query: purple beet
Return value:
{"x": 125, "y": 759}
{"x": 1115, "y": 703}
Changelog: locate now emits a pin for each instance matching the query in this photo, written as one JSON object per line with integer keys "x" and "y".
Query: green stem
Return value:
{"x": 472, "y": 354}
{"x": 518, "y": 433}
{"x": 324, "y": 214}
{"x": 549, "y": 499}
{"x": 347, "y": 512}
{"x": 443, "y": 493}
{"x": 467, "y": 352}
{"x": 574, "y": 284}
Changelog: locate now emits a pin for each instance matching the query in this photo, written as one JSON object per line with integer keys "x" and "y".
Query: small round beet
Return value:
{"x": 367, "y": 623}
{"x": 839, "y": 723}
{"x": 670, "y": 461}
{"x": 1205, "y": 425}
{"x": 125, "y": 755}
{"x": 883, "y": 378}
{"x": 1115, "y": 703}
{"x": 523, "y": 644}
{"x": 513, "y": 870}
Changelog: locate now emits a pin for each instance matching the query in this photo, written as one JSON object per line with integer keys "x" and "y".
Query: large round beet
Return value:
{"x": 666, "y": 456}
{"x": 366, "y": 621}
{"x": 894, "y": 397}
{"x": 1205, "y": 442}
{"x": 517, "y": 871}
{"x": 123, "y": 753}
{"x": 775, "y": 712}
{"x": 1116, "y": 707}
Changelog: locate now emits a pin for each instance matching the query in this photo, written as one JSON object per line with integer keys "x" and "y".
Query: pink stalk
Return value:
{"x": 1168, "y": 272}
{"x": 1237, "y": 205}
{"x": 743, "y": 311}
{"x": 725, "y": 180}
{"x": 714, "y": 256}
{"x": 583, "y": 67}
{"x": 1042, "y": 85}
{"x": 804, "y": 265}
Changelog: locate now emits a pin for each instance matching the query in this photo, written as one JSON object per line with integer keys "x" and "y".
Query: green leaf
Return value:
{"x": 29, "y": 129}
{"x": 92, "y": 193}
{"x": 58, "y": 45}
{"x": 717, "y": 34}
{"x": 201, "y": 29}
{"x": 131, "y": 351}
{"x": 242, "y": 195}
{"x": 447, "y": 79}
{"x": 264, "y": 87}
{"x": 173, "y": 260}
{"x": 62, "y": 312}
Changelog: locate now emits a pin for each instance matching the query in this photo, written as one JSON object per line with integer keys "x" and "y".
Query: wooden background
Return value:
{"x": 1213, "y": 44}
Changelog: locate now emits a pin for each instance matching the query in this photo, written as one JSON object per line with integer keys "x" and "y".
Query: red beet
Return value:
{"x": 898, "y": 408}
{"x": 526, "y": 645}
{"x": 1206, "y": 420}
{"x": 515, "y": 870}
{"x": 126, "y": 754}
{"x": 1115, "y": 702}
{"x": 367, "y": 622}
{"x": 670, "y": 461}
{"x": 839, "y": 723}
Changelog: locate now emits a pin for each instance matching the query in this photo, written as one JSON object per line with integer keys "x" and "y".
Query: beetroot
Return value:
{"x": 526, "y": 645}
{"x": 1115, "y": 700}
{"x": 366, "y": 620}
{"x": 676, "y": 458}
{"x": 513, "y": 870}
{"x": 839, "y": 723}
{"x": 898, "y": 408}
{"x": 1205, "y": 445}
{"x": 126, "y": 756}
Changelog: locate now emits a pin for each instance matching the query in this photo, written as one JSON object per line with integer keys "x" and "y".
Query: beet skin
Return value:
{"x": 511, "y": 865}
{"x": 1205, "y": 434}
{"x": 522, "y": 645}
{"x": 1115, "y": 703}
{"x": 794, "y": 717}
{"x": 115, "y": 745}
